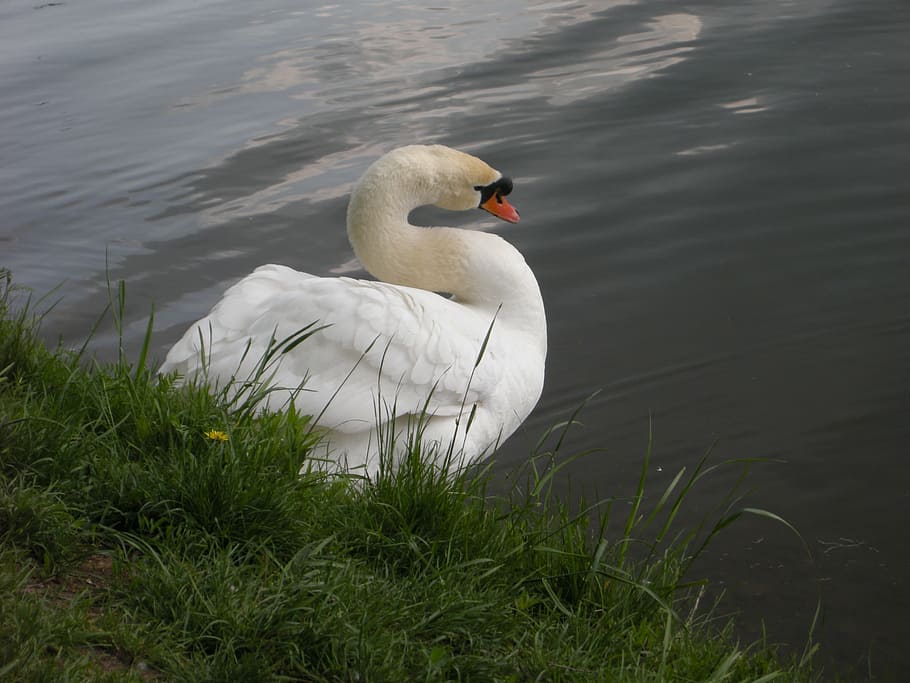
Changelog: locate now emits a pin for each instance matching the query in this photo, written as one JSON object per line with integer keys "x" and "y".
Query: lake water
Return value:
{"x": 714, "y": 196}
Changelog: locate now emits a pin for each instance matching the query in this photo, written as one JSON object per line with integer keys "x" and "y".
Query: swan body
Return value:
{"x": 391, "y": 359}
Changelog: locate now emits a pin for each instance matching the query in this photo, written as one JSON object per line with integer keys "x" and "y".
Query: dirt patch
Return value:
{"x": 95, "y": 573}
{"x": 117, "y": 661}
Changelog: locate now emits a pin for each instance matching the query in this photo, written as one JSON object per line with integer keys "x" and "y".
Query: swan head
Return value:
{"x": 453, "y": 180}
{"x": 472, "y": 183}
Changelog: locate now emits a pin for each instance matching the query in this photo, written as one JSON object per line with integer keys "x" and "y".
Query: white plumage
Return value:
{"x": 388, "y": 352}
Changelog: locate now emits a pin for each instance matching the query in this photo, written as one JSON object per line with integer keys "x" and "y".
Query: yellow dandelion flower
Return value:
{"x": 216, "y": 435}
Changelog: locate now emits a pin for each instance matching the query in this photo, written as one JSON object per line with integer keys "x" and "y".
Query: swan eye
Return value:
{"x": 500, "y": 188}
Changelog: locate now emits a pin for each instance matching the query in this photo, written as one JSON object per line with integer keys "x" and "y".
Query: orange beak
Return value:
{"x": 499, "y": 207}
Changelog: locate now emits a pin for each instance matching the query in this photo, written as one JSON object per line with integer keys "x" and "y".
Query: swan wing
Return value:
{"x": 377, "y": 347}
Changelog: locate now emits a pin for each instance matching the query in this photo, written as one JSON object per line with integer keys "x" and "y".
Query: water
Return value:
{"x": 714, "y": 198}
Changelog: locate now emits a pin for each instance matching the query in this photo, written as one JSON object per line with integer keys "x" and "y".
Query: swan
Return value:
{"x": 393, "y": 356}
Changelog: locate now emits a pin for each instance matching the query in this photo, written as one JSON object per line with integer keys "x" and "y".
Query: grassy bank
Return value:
{"x": 149, "y": 533}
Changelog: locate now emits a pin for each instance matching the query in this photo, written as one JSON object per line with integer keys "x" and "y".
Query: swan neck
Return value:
{"x": 390, "y": 248}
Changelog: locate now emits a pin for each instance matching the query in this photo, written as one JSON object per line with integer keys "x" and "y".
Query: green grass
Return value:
{"x": 134, "y": 547}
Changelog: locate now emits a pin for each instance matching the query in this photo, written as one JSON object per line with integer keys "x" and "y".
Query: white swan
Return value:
{"x": 396, "y": 348}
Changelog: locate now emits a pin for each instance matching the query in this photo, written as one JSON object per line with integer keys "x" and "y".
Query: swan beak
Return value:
{"x": 499, "y": 207}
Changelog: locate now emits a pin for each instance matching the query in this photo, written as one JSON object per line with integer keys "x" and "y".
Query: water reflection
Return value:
{"x": 750, "y": 105}
{"x": 358, "y": 50}
{"x": 375, "y": 52}
{"x": 631, "y": 57}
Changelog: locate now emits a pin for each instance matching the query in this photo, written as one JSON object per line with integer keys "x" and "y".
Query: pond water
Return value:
{"x": 714, "y": 197}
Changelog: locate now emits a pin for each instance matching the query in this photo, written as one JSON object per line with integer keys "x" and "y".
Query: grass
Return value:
{"x": 136, "y": 544}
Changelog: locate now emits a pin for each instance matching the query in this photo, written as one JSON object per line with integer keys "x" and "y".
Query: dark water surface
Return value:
{"x": 714, "y": 198}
